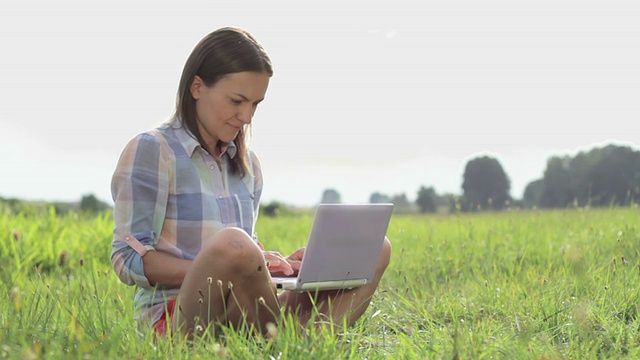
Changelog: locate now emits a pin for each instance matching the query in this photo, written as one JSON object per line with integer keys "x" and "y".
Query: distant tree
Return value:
{"x": 533, "y": 193}
{"x": 400, "y": 201}
{"x": 271, "y": 209}
{"x": 89, "y": 203}
{"x": 615, "y": 178}
{"x": 427, "y": 200}
{"x": 485, "y": 184}
{"x": 12, "y": 205}
{"x": 600, "y": 177}
{"x": 331, "y": 196}
{"x": 451, "y": 202}
{"x": 557, "y": 191}
{"x": 580, "y": 182}
{"x": 378, "y": 198}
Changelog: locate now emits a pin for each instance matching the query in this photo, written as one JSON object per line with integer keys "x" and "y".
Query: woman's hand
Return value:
{"x": 277, "y": 264}
{"x": 295, "y": 260}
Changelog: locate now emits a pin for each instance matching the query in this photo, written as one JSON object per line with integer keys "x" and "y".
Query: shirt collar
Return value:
{"x": 190, "y": 143}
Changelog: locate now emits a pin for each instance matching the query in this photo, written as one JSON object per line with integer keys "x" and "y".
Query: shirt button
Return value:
{"x": 211, "y": 167}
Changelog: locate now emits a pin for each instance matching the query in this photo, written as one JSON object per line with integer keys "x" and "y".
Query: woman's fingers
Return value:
{"x": 297, "y": 255}
{"x": 277, "y": 263}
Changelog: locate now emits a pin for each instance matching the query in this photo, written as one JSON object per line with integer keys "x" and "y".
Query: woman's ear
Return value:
{"x": 196, "y": 87}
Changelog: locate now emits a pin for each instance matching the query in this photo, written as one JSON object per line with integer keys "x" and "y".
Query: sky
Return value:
{"x": 366, "y": 97}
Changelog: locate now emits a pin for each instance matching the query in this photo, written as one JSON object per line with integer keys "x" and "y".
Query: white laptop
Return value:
{"x": 343, "y": 247}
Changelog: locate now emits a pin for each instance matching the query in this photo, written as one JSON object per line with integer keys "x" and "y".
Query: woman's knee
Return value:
{"x": 231, "y": 245}
{"x": 385, "y": 254}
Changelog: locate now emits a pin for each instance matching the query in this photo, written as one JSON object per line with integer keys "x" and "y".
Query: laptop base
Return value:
{"x": 292, "y": 284}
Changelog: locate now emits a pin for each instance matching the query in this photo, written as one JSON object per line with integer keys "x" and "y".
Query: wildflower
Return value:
{"x": 261, "y": 301}
{"x": 16, "y": 235}
{"x": 272, "y": 330}
{"x": 210, "y": 280}
{"x": 219, "y": 282}
{"x": 199, "y": 328}
{"x": 62, "y": 258}
{"x": 14, "y": 295}
{"x": 606, "y": 287}
{"x": 220, "y": 350}
{"x": 230, "y": 285}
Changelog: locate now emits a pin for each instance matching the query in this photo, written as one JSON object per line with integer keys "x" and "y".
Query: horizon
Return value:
{"x": 411, "y": 196}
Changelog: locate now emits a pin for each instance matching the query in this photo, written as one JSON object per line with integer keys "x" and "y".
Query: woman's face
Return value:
{"x": 224, "y": 108}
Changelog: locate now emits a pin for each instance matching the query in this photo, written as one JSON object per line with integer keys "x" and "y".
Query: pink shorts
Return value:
{"x": 165, "y": 320}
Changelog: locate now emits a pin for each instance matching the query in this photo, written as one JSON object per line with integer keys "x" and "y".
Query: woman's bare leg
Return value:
{"x": 228, "y": 283}
{"x": 332, "y": 307}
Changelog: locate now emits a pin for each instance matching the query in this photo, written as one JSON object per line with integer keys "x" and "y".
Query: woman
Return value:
{"x": 186, "y": 199}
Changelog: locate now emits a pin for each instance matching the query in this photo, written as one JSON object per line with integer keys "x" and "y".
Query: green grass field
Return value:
{"x": 512, "y": 285}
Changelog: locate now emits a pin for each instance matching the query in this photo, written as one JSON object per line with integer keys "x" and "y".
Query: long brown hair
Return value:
{"x": 225, "y": 51}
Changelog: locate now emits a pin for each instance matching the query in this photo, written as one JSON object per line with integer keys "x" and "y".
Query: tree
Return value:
{"x": 271, "y": 209}
{"x": 485, "y": 184}
{"x": 601, "y": 177}
{"x": 615, "y": 178}
{"x": 427, "y": 200}
{"x": 400, "y": 201}
{"x": 331, "y": 196}
{"x": 89, "y": 203}
{"x": 533, "y": 193}
{"x": 557, "y": 191}
{"x": 378, "y": 198}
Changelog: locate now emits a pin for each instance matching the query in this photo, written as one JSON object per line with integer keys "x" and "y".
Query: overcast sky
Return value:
{"x": 367, "y": 96}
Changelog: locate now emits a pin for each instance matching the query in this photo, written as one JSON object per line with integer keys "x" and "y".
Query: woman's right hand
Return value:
{"x": 277, "y": 264}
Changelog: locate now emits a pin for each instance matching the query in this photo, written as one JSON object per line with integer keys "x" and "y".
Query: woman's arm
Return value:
{"x": 140, "y": 186}
{"x": 165, "y": 269}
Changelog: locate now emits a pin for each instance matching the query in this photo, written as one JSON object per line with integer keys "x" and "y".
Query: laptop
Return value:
{"x": 343, "y": 247}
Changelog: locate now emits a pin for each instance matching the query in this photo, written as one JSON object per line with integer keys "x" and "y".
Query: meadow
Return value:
{"x": 549, "y": 284}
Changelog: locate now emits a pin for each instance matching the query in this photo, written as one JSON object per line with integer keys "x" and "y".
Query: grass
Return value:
{"x": 516, "y": 284}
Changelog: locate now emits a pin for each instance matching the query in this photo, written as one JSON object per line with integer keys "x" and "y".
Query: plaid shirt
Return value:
{"x": 171, "y": 195}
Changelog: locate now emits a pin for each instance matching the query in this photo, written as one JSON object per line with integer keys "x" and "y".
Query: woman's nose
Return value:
{"x": 246, "y": 114}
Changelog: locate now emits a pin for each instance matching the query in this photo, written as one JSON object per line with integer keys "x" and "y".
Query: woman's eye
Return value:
{"x": 236, "y": 101}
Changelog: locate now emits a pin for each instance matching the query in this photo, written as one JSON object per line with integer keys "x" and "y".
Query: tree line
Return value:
{"x": 88, "y": 204}
{"x": 607, "y": 176}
